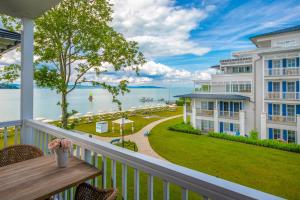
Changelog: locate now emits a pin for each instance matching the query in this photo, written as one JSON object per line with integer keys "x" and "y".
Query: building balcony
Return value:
{"x": 283, "y": 95}
{"x": 229, "y": 115}
{"x": 204, "y": 112}
{"x": 288, "y": 71}
{"x": 278, "y": 119}
{"x": 90, "y": 150}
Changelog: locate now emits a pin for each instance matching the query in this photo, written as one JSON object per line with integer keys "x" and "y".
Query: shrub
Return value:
{"x": 128, "y": 145}
{"x": 179, "y": 102}
{"x": 253, "y": 134}
{"x": 185, "y": 128}
{"x": 265, "y": 143}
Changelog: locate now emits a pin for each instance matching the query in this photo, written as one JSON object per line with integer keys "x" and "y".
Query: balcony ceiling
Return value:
{"x": 8, "y": 40}
{"x": 26, "y": 8}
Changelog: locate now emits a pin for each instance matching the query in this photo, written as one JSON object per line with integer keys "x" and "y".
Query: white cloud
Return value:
{"x": 160, "y": 28}
{"x": 11, "y": 57}
{"x": 152, "y": 73}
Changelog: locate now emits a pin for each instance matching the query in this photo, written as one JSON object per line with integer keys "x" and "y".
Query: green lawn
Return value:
{"x": 270, "y": 170}
{"x": 139, "y": 122}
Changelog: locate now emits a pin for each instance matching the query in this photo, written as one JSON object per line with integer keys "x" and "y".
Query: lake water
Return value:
{"x": 45, "y": 101}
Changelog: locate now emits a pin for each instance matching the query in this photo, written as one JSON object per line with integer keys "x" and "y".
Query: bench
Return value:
{"x": 117, "y": 140}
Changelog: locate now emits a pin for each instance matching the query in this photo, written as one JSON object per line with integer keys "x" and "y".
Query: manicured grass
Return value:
{"x": 269, "y": 170}
{"x": 139, "y": 122}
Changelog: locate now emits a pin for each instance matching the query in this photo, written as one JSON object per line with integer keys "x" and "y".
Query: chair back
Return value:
{"x": 87, "y": 192}
{"x": 18, "y": 153}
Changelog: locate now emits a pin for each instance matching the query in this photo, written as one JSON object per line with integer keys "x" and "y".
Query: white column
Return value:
{"x": 242, "y": 118}
{"x": 184, "y": 113}
{"x": 263, "y": 130}
{"x": 27, "y": 79}
{"x": 298, "y": 130}
{"x": 216, "y": 118}
{"x": 193, "y": 118}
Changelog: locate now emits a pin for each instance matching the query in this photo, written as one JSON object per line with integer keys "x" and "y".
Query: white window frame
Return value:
{"x": 289, "y": 112}
{"x": 289, "y": 132}
{"x": 276, "y": 63}
{"x": 274, "y": 86}
{"x": 291, "y": 62}
{"x": 291, "y": 86}
{"x": 277, "y": 106}
{"x": 278, "y": 132}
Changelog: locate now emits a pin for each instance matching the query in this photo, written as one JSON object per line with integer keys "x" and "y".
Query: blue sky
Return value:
{"x": 181, "y": 39}
{"x": 228, "y": 27}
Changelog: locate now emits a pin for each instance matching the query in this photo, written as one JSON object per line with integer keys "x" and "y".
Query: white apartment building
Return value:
{"x": 256, "y": 89}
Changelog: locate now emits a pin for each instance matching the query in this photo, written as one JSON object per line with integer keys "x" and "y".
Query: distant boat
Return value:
{"x": 146, "y": 99}
{"x": 162, "y": 99}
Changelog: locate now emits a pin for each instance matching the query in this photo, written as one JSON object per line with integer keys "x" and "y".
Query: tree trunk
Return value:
{"x": 64, "y": 110}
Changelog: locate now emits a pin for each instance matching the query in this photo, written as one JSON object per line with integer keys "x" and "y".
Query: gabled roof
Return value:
{"x": 8, "y": 40}
{"x": 215, "y": 96}
{"x": 286, "y": 30}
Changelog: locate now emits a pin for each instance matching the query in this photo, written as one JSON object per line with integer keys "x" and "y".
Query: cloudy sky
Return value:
{"x": 181, "y": 39}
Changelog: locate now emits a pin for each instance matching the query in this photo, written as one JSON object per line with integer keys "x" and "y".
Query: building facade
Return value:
{"x": 256, "y": 89}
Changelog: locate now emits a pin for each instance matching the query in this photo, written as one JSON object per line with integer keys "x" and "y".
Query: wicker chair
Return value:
{"x": 18, "y": 153}
{"x": 87, "y": 192}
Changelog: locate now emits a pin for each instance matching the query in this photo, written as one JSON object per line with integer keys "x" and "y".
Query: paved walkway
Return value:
{"x": 141, "y": 141}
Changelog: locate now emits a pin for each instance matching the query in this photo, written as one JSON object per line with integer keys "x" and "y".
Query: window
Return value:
{"x": 228, "y": 87}
{"x": 207, "y": 125}
{"x": 276, "y": 86}
{"x": 226, "y": 106}
{"x": 276, "y": 109}
{"x": 291, "y": 136}
{"x": 248, "y": 87}
{"x": 242, "y": 69}
{"x": 277, "y": 134}
{"x": 210, "y": 105}
{"x": 242, "y": 88}
{"x": 235, "y": 69}
{"x": 276, "y": 63}
{"x": 291, "y": 62}
{"x": 291, "y": 86}
{"x": 235, "y": 88}
{"x": 291, "y": 110}
{"x": 204, "y": 105}
{"x": 248, "y": 69}
{"x": 226, "y": 127}
{"x": 236, "y": 128}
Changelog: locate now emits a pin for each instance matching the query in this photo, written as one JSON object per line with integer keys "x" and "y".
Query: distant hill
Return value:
{"x": 17, "y": 86}
{"x": 9, "y": 86}
{"x": 145, "y": 86}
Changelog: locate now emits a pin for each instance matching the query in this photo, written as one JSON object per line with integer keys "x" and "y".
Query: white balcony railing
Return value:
{"x": 204, "y": 112}
{"x": 283, "y": 95}
{"x": 288, "y": 71}
{"x": 229, "y": 115}
{"x": 290, "y": 120}
{"x": 9, "y": 129}
{"x": 92, "y": 150}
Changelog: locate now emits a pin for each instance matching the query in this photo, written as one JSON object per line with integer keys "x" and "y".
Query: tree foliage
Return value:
{"x": 75, "y": 44}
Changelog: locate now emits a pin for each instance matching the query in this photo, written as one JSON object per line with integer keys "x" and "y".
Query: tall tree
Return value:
{"x": 74, "y": 39}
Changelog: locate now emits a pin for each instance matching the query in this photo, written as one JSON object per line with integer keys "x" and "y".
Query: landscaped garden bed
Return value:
{"x": 265, "y": 143}
{"x": 185, "y": 128}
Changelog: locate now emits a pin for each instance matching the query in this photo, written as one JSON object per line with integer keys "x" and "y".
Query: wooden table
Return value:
{"x": 40, "y": 178}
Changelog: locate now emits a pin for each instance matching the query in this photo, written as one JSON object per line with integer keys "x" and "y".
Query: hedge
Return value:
{"x": 185, "y": 128}
{"x": 265, "y": 143}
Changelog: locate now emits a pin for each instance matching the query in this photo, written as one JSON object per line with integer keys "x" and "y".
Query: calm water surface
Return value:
{"x": 45, "y": 101}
